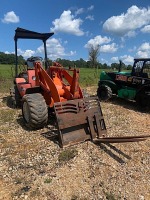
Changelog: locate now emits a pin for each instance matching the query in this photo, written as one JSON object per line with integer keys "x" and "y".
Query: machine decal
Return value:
{"x": 136, "y": 81}
{"x": 121, "y": 78}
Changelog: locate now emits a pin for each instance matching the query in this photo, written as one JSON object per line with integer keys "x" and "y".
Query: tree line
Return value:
{"x": 10, "y": 58}
{"x": 81, "y": 63}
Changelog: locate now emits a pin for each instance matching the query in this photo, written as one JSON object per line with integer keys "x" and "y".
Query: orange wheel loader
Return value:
{"x": 39, "y": 88}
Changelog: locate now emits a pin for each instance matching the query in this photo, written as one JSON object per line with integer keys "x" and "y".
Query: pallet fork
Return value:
{"x": 82, "y": 119}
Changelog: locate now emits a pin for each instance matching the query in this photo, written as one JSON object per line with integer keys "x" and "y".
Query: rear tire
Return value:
{"x": 34, "y": 111}
{"x": 143, "y": 99}
{"x": 15, "y": 97}
{"x": 104, "y": 92}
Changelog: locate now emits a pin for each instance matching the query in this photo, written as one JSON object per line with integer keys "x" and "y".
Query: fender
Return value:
{"x": 33, "y": 90}
{"x": 109, "y": 83}
{"x": 144, "y": 86}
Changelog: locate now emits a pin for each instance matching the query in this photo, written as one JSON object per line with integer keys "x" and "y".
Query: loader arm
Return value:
{"x": 53, "y": 86}
{"x": 50, "y": 93}
{"x": 75, "y": 89}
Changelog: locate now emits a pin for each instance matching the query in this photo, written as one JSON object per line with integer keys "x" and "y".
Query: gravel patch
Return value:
{"x": 32, "y": 165}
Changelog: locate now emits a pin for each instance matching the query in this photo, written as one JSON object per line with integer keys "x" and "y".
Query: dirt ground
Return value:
{"x": 34, "y": 167}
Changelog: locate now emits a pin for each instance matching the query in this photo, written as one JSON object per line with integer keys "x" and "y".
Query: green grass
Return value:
{"x": 88, "y": 77}
{"x": 6, "y": 71}
{"x": 6, "y": 77}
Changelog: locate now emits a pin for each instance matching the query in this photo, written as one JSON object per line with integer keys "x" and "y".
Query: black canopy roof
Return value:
{"x": 26, "y": 34}
{"x": 141, "y": 59}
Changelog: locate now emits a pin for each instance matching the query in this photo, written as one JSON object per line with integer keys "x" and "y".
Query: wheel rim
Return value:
{"x": 26, "y": 112}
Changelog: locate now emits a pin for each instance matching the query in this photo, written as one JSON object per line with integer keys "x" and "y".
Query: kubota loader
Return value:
{"x": 38, "y": 88}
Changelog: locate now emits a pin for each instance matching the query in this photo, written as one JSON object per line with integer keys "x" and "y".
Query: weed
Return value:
{"x": 6, "y": 116}
{"x": 67, "y": 155}
{"x": 2, "y": 140}
{"x": 110, "y": 196}
{"x": 48, "y": 180}
{"x": 35, "y": 192}
{"x": 50, "y": 195}
{"x": 74, "y": 197}
{"x": 23, "y": 155}
{"x": 18, "y": 180}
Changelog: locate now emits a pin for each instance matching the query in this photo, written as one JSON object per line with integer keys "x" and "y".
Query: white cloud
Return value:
{"x": 26, "y": 54}
{"x": 108, "y": 48}
{"x": 79, "y": 11}
{"x": 144, "y": 50}
{"x": 145, "y": 47}
{"x": 102, "y": 60}
{"x": 133, "y": 49}
{"x": 90, "y": 17}
{"x": 90, "y": 8}
{"x": 72, "y": 53}
{"x": 146, "y": 29}
{"x": 131, "y": 34}
{"x": 127, "y": 59}
{"x": 55, "y": 49}
{"x": 143, "y": 54}
{"x": 98, "y": 40}
{"x": 68, "y": 24}
{"x": 88, "y": 34}
{"x": 115, "y": 59}
{"x": 7, "y": 52}
{"x": 10, "y": 17}
{"x": 126, "y": 23}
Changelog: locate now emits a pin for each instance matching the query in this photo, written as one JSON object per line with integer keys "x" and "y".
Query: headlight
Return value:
{"x": 33, "y": 78}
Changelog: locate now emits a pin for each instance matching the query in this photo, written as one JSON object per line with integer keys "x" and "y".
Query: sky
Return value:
{"x": 121, "y": 28}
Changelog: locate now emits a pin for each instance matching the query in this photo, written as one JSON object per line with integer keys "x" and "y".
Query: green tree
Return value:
{"x": 93, "y": 55}
{"x": 10, "y": 58}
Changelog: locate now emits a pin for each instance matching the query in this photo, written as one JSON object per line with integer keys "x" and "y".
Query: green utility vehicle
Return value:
{"x": 134, "y": 85}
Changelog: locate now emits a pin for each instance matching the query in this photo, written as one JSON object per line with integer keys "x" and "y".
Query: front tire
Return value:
{"x": 34, "y": 111}
{"x": 104, "y": 92}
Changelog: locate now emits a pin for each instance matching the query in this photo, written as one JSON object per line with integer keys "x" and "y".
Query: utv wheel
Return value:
{"x": 104, "y": 92}
{"x": 142, "y": 99}
{"x": 34, "y": 111}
